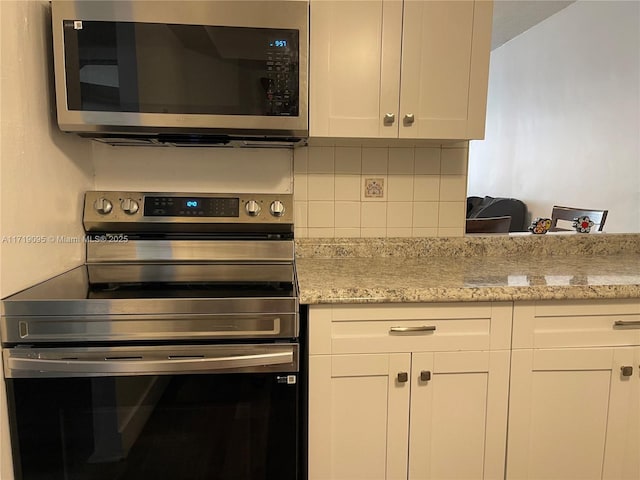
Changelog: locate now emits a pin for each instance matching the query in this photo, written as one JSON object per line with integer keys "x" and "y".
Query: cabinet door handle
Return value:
{"x": 409, "y": 119}
{"x": 425, "y": 375}
{"x": 403, "y": 377}
{"x": 627, "y": 371}
{"x": 627, "y": 323}
{"x": 389, "y": 118}
{"x": 422, "y": 328}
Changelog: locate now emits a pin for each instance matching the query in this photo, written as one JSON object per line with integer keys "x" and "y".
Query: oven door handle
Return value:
{"x": 22, "y": 366}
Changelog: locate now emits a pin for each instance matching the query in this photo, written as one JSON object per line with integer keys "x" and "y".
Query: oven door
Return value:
{"x": 188, "y": 413}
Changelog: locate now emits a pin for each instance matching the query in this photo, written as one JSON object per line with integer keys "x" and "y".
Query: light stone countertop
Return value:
{"x": 471, "y": 269}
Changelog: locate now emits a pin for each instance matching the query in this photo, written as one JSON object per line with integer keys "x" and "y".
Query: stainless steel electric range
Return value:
{"x": 173, "y": 353}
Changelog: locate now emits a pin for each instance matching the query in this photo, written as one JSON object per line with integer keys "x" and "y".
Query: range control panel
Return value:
{"x": 191, "y": 206}
{"x": 103, "y": 208}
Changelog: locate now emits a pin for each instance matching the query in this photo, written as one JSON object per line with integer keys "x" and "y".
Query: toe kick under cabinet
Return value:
{"x": 574, "y": 406}
{"x": 417, "y": 391}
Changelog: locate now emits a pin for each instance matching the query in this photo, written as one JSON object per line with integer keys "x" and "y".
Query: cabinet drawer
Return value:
{"x": 385, "y": 328}
{"x": 576, "y": 323}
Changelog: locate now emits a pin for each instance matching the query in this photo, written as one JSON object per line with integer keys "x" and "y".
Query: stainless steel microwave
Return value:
{"x": 182, "y": 71}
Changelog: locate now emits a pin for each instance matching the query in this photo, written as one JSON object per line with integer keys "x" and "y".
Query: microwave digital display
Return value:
{"x": 181, "y": 69}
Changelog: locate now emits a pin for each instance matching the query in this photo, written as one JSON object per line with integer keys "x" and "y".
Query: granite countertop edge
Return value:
{"x": 470, "y": 294}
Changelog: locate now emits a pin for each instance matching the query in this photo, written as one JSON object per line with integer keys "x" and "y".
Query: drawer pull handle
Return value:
{"x": 628, "y": 323}
{"x": 423, "y": 328}
{"x": 425, "y": 375}
{"x": 626, "y": 371}
{"x": 403, "y": 377}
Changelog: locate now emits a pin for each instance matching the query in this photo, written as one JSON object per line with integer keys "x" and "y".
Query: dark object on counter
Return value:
{"x": 488, "y": 225}
{"x": 479, "y": 207}
{"x": 540, "y": 225}
{"x": 570, "y": 214}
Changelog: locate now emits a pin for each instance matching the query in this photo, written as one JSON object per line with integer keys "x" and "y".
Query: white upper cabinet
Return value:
{"x": 392, "y": 69}
{"x": 354, "y": 67}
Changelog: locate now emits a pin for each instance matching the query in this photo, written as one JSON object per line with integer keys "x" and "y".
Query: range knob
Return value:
{"x": 103, "y": 206}
{"x": 276, "y": 208}
{"x": 129, "y": 206}
{"x": 252, "y": 208}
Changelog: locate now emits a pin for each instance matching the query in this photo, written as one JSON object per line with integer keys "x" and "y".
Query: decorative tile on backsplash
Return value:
{"x": 374, "y": 187}
{"x": 380, "y": 191}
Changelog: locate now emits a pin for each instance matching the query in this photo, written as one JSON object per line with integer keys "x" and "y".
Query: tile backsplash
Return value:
{"x": 365, "y": 191}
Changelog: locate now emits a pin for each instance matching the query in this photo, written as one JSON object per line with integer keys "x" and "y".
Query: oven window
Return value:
{"x": 181, "y": 69}
{"x": 181, "y": 427}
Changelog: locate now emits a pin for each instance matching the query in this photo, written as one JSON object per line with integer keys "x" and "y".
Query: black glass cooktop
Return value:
{"x": 190, "y": 290}
{"x": 75, "y": 285}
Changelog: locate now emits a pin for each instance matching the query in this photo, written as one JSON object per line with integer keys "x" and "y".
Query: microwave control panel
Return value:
{"x": 282, "y": 73}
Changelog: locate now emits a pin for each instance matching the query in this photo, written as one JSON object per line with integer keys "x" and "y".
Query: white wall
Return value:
{"x": 193, "y": 169}
{"x": 43, "y": 172}
{"x": 563, "y": 115}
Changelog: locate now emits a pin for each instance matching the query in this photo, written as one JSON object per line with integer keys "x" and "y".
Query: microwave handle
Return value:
{"x": 20, "y": 367}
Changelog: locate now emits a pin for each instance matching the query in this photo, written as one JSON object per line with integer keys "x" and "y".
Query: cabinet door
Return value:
{"x": 458, "y": 416}
{"x": 445, "y": 65}
{"x": 358, "y": 417}
{"x": 566, "y": 406}
{"x": 354, "y": 67}
{"x": 622, "y": 453}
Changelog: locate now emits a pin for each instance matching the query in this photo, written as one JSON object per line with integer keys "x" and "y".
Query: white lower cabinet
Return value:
{"x": 421, "y": 415}
{"x": 569, "y": 413}
{"x": 358, "y": 417}
{"x": 423, "y": 392}
{"x": 458, "y": 418}
{"x": 629, "y": 466}
{"x": 574, "y": 409}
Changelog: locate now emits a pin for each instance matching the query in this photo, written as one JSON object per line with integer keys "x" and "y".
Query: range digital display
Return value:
{"x": 191, "y": 207}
